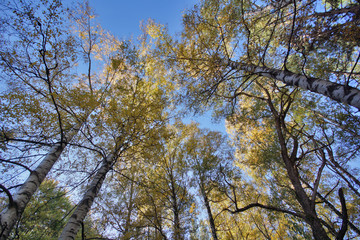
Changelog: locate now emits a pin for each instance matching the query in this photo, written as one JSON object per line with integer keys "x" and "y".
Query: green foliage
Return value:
{"x": 288, "y": 149}
{"x": 46, "y": 215}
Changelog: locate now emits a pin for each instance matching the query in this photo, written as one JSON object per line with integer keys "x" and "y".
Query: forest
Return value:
{"x": 94, "y": 142}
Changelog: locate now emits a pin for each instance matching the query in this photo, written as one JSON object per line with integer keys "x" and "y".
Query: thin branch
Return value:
{"x": 16, "y": 163}
{"x": 344, "y": 216}
{"x": 6, "y": 139}
{"x": 318, "y": 177}
{"x": 291, "y": 36}
{"x": 271, "y": 208}
{"x": 11, "y": 199}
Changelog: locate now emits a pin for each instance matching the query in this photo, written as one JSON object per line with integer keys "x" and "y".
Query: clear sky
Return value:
{"x": 123, "y": 18}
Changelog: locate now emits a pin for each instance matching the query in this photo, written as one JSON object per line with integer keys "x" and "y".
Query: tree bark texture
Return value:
{"x": 13, "y": 212}
{"x": 74, "y": 223}
{"x": 335, "y": 91}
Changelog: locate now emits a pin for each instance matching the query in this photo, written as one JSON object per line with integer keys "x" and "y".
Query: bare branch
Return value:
{"x": 16, "y": 163}
{"x": 318, "y": 177}
{"x": 271, "y": 208}
{"x": 11, "y": 200}
{"x": 344, "y": 216}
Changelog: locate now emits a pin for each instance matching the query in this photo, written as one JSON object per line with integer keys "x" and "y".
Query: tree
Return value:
{"x": 294, "y": 138}
{"x": 225, "y": 41}
{"x": 132, "y": 116}
{"x": 46, "y": 214}
{"x": 208, "y": 157}
{"x": 45, "y": 100}
{"x": 232, "y": 51}
{"x": 34, "y": 61}
{"x": 165, "y": 203}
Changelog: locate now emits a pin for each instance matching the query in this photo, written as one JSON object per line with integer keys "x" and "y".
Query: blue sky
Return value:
{"x": 123, "y": 18}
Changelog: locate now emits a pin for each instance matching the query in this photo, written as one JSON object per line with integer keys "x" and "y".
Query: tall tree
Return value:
{"x": 234, "y": 50}
{"x": 46, "y": 214}
{"x": 208, "y": 157}
{"x": 169, "y": 184}
{"x": 295, "y": 137}
{"x": 35, "y": 59}
{"x": 225, "y": 41}
{"x": 44, "y": 99}
{"x": 131, "y": 116}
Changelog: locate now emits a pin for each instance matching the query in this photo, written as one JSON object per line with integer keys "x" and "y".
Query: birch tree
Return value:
{"x": 287, "y": 141}
{"x": 230, "y": 48}
{"x": 131, "y": 115}
{"x": 34, "y": 60}
{"x": 208, "y": 157}
{"x": 38, "y": 59}
{"x": 223, "y": 42}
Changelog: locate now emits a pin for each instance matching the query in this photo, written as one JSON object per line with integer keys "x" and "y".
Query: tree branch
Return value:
{"x": 344, "y": 216}
{"x": 332, "y": 90}
{"x": 271, "y": 208}
{"x": 11, "y": 200}
{"x": 16, "y": 163}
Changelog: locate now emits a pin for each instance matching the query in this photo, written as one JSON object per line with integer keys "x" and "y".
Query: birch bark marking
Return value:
{"x": 77, "y": 218}
{"x": 12, "y": 213}
{"x": 335, "y": 91}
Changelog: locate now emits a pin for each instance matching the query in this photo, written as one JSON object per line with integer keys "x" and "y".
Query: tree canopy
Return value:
{"x": 95, "y": 141}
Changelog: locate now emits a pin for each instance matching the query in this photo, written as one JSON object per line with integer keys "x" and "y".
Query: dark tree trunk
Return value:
{"x": 209, "y": 213}
{"x": 290, "y": 161}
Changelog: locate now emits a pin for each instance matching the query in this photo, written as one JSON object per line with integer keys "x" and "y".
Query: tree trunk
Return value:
{"x": 209, "y": 213}
{"x": 290, "y": 161}
{"x": 177, "y": 229}
{"x": 335, "y": 91}
{"x": 312, "y": 219}
{"x": 129, "y": 209}
{"x": 175, "y": 209}
{"x": 13, "y": 212}
{"x": 74, "y": 223}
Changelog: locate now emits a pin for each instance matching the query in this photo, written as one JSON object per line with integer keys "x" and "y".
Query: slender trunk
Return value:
{"x": 335, "y": 91}
{"x": 290, "y": 162}
{"x": 74, "y": 223}
{"x": 13, "y": 212}
{"x": 177, "y": 230}
{"x": 209, "y": 213}
{"x": 312, "y": 219}
{"x": 332, "y": 207}
{"x": 175, "y": 206}
{"x": 129, "y": 209}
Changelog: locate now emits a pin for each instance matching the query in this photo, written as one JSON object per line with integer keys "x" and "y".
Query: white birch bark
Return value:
{"x": 13, "y": 212}
{"x": 335, "y": 91}
{"x": 74, "y": 223}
